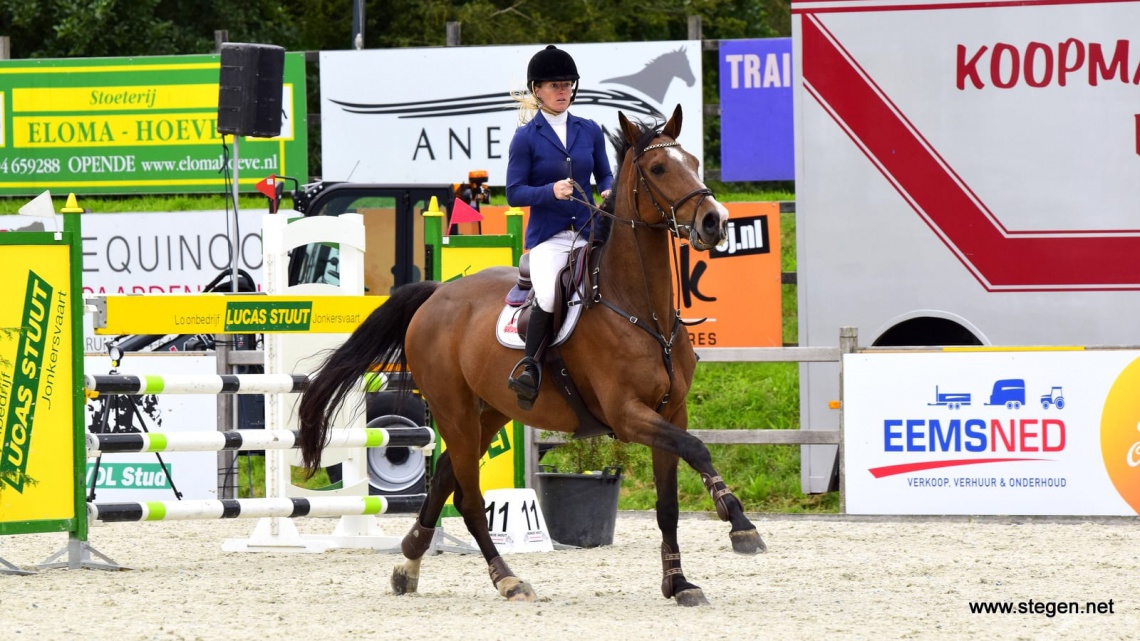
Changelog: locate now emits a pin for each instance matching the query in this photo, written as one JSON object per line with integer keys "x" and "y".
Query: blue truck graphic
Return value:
{"x": 1009, "y": 392}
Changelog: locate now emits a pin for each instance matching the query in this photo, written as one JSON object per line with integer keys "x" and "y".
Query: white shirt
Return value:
{"x": 558, "y": 123}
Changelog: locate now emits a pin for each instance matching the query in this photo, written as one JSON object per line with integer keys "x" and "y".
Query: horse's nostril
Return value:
{"x": 711, "y": 224}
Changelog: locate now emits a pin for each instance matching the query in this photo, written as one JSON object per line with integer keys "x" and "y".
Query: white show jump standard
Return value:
{"x": 253, "y": 508}
{"x": 122, "y": 442}
{"x": 196, "y": 384}
{"x": 132, "y": 385}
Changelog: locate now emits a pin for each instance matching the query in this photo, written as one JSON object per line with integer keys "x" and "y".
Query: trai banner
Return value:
{"x": 757, "y": 137}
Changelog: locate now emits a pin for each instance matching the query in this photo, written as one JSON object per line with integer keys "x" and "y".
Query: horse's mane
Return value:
{"x": 680, "y": 50}
{"x": 621, "y": 146}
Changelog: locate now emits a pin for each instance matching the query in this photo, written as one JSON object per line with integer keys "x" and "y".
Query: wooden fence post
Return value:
{"x": 848, "y": 344}
{"x": 694, "y": 27}
{"x": 453, "y": 32}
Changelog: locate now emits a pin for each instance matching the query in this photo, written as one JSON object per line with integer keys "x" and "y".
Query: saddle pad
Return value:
{"x": 508, "y": 333}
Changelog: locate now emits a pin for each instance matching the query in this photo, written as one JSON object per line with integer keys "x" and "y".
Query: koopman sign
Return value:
{"x": 432, "y": 115}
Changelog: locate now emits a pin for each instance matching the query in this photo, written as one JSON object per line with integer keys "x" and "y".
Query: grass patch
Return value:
{"x": 251, "y": 476}
{"x": 142, "y": 203}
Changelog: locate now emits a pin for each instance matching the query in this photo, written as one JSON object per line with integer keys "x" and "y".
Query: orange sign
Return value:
{"x": 1120, "y": 434}
{"x": 736, "y": 285}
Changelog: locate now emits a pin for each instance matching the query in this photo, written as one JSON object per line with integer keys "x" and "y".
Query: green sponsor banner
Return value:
{"x": 129, "y": 476}
{"x": 25, "y": 387}
{"x": 269, "y": 317}
{"x": 134, "y": 125}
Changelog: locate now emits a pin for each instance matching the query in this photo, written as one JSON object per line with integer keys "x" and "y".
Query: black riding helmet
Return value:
{"x": 549, "y": 64}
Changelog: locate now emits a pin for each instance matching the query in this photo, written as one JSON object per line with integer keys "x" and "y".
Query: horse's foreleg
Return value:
{"x": 406, "y": 577}
{"x": 673, "y": 582}
{"x": 650, "y": 429}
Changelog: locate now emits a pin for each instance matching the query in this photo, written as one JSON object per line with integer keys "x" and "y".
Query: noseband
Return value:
{"x": 669, "y": 219}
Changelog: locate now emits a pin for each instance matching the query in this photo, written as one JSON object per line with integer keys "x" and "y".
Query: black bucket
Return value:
{"x": 579, "y": 509}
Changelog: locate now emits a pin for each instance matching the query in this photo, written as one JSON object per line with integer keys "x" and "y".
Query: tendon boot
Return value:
{"x": 527, "y": 383}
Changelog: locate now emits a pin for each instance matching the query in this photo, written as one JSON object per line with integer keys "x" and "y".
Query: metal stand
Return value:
{"x": 8, "y": 568}
{"x": 442, "y": 542}
{"x": 112, "y": 405}
{"x": 235, "y": 240}
{"x": 80, "y": 554}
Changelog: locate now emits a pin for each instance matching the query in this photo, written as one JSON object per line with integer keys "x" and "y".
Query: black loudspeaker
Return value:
{"x": 249, "y": 90}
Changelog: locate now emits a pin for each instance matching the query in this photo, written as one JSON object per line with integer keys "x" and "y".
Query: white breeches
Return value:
{"x": 546, "y": 260}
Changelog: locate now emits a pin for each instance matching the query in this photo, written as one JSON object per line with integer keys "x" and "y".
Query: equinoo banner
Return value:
{"x": 131, "y": 125}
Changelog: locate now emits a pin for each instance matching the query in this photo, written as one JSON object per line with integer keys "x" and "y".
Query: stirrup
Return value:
{"x": 525, "y": 390}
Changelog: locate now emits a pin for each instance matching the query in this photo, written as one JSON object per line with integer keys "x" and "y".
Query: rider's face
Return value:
{"x": 555, "y": 95}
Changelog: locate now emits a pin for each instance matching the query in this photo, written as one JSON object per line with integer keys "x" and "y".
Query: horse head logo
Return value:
{"x": 658, "y": 74}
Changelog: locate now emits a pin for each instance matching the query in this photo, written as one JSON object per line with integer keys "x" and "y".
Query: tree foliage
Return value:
{"x": 97, "y": 28}
{"x": 89, "y": 28}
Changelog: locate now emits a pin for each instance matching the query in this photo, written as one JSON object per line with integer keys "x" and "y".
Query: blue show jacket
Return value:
{"x": 538, "y": 160}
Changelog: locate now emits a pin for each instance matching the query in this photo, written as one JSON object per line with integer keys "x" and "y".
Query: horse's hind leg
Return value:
{"x": 673, "y": 582}
{"x": 469, "y": 502}
{"x": 406, "y": 577}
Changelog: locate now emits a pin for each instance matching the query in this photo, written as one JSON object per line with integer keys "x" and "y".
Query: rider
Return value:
{"x": 552, "y": 158}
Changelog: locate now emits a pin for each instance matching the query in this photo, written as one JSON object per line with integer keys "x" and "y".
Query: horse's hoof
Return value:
{"x": 747, "y": 542}
{"x": 515, "y": 589}
{"x": 691, "y": 598}
{"x": 403, "y": 582}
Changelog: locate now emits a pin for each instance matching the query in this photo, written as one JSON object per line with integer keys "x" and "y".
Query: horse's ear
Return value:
{"x": 673, "y": 127}
{"x": 629, "y": 129}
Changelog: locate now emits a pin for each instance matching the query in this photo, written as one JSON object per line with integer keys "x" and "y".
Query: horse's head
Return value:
{"x": 682, "y": 69}
{"x": 666, "y": 184}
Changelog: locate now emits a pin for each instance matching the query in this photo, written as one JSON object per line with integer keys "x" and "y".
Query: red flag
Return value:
{"x": 461, "y": 212}
{"x": 268, "y": 187}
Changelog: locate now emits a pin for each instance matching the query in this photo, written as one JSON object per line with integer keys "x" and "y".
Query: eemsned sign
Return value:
{"x": 130, "y": 125}
{"x": 992, "y": 432}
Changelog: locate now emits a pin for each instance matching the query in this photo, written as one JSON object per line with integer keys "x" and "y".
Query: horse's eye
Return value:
{"x": 657, "y": 170}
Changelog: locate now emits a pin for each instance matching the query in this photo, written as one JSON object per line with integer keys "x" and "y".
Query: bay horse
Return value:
{"x": 632, "y": 368}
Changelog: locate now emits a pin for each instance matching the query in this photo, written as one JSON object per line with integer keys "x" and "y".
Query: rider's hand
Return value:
{"x": 563, "y": 189}
{"x": 605, "y": 194}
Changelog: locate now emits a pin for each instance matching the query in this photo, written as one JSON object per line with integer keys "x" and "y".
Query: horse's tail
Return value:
{"x": 379, "y": 341}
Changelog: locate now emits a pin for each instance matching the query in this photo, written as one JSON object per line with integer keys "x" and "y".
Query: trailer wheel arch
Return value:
{"x": 928, "y": 327}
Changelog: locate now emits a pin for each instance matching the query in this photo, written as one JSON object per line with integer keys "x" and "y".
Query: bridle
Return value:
{"x": 668, "y": 221}
{"x": 654, "y": 191}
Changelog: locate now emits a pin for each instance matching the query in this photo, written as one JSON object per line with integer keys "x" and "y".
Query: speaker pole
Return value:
{"x": 235, "y": 242}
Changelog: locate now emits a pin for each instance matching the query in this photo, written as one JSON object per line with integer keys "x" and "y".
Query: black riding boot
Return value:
{"x": 528, "y": 381}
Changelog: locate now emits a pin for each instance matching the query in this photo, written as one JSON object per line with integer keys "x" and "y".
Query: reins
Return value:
{"x": 669, "y": 222}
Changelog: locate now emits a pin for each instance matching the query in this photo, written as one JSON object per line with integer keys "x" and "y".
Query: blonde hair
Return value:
{"x": 528, "y": 104}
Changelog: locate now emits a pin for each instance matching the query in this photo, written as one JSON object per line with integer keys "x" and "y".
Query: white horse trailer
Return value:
{"x": 966, "y": 173}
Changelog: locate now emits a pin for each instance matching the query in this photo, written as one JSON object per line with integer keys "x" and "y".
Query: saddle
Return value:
{"x": 574, "y": 289}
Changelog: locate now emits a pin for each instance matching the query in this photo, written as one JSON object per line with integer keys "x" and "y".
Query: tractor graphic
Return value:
{"x": 1054, "y": 397}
